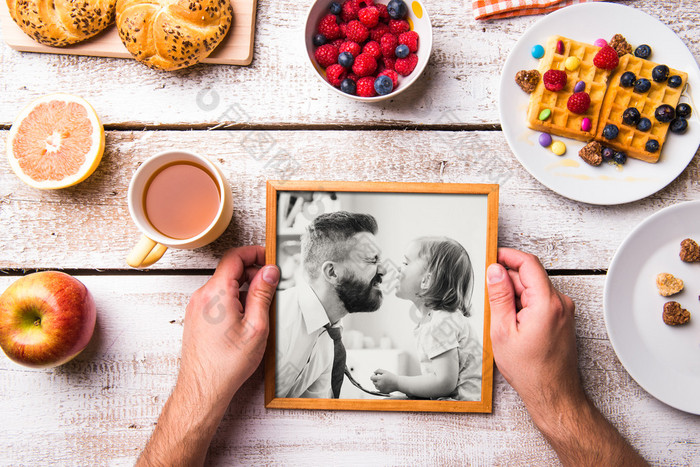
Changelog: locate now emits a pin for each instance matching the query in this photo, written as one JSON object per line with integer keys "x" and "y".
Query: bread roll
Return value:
{"x": 172, "y": 34}
{"x": 60, "y": 23}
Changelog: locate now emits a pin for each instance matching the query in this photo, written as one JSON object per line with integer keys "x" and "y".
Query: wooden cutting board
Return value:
{"x": 235, "y": 49}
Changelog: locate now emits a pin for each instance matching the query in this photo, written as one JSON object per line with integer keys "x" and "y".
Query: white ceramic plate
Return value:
{"x": 569, "y": 175}
{"x": 664, "y": 360}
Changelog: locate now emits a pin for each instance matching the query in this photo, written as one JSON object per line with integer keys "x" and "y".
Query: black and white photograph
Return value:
{"x": 382, "y": 296}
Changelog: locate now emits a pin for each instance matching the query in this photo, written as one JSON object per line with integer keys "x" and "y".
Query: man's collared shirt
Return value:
{"x": 304, "y": 349}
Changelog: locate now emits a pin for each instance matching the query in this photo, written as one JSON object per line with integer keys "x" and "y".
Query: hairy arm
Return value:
{"x": 223, "y": 343}
{"x": 534, "y": 346}
{"x": 438, "y": 384}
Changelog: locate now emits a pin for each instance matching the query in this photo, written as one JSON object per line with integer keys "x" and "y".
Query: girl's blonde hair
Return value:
{"x": 451, "y": 274}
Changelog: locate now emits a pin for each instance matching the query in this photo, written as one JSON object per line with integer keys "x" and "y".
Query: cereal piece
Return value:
{"x": 674, "y": 314}
{"x": 620, "y": 44}
{"x": 690, "y": 251}
{"x": 668, "y": 284}
{"x": 527, "y": 80}
{"x": 592, "y": 153}
{"x": 558, "y": 148}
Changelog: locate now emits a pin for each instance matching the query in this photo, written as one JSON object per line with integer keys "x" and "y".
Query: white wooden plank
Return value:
{"x": 460, "y": 84}
{"x": 101, "y": 408}
{"x": 89, "y": 226}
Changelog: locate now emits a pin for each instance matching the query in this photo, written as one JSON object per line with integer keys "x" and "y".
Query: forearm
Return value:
{"x": 184, "y": 430}
{"x": 581, "y": 436}
{"x": 429, "y": 386}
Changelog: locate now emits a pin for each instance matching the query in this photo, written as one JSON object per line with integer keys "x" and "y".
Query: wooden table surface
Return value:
{"x": 101, "y": 408}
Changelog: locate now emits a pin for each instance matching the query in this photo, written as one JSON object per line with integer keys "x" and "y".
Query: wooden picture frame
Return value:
{"x": 421, "y": 206}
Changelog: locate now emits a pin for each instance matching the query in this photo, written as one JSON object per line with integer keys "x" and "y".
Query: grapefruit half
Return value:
{"x": 56, "y": 142}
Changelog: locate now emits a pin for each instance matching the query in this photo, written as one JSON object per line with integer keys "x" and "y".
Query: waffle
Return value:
{"x": 630, "y": 140}
{"x": 562, "y": 122}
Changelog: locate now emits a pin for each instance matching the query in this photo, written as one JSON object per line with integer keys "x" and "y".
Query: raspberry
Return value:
{"x": 388, "y": 44}
{"x": 338, "y": 42}
{"x": 349, "y": 46}
{"x": 360, "y": 4}
{"x": 364, "y": 65}
{"x": 326, "y": 55}
{"x": 356, "y": 31}
{"x": 404, "y": 66}
{"x": 397, "y": 26}
{"x": 353, "y": 77}
{"x": 409, "y": 39}
{"x": 365, "y": 87}
{"x": 377, "y": 33}
{"x": 389, "y": 63}
{"x": 554, "y": 80}
{"x": 391, "y": 74}
{"x": 343, "y": 28}
{"x": 335, "y": 74}
{"x": 369, "y": 16}
{"x": 606, "y": 58}
{"x": 373, "y": 49}
{"x": 383, "y": 12}
{"x": 329, "y": 27}
{"x": 350, "y": 10}
{"x": 578, "y": 102}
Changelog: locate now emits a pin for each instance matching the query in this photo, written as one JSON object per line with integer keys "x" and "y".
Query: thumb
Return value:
{"x": 501, "y": 301}
{"x": 260, "y": 293}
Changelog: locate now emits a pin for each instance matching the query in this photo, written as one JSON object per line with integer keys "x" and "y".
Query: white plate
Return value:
{"x": 569, "y": 175}
{"x": 664, "y": 360}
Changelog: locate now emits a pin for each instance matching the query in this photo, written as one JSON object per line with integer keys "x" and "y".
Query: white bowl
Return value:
{"x": 417, "y": 17}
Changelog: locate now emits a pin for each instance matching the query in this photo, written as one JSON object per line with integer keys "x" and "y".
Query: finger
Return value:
{"x": 259, "y": 297}
{"x": 530, "y": 269}
{"x": 515, "y": 277}
{"x": 250, "y": 272}
{"x": 501, "y": 300}
{"x": 234, "y": 262}
{"x": 379, "y": 371}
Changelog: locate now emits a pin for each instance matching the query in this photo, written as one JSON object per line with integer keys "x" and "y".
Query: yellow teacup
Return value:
{"x": 178, "y": 199}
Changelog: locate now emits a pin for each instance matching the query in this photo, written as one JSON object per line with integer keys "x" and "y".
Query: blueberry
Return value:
{"x": 675, "y": 81}
{"x": 348, "y": 86}
{"x": 644, "y": 124}
{"x": 652, "y": 145}
{"x": 620, "y": 157}
{"x": 610, "y": 131}
{"x": 683, "y": 110}
{"x": 642, "y": 85}
{"x": 607, "y": 154}
{"x": 336, "y": 8}
{"x": 383, "y": 85}
{"x": 345, "y": 59}
{"x": 319, "y": 40}
{"x": 631, "y": 116}
{"x": 627, "y": 79}
{"x": 397, "y": 9}
{"x": 643, "y": 51}
{"x": 660, "y": 73}
{"x": 402, "y": 51}
{"x": 679, "y": 125}
{"x": 664, "y": 113}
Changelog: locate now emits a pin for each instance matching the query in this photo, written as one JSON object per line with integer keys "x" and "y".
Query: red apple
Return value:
{"x": 46, "y": 319}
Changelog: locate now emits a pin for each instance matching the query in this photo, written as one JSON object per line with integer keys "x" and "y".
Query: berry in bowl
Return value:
{"x": 368, "y": 50}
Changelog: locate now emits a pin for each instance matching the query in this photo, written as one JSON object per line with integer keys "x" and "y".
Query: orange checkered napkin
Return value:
{"x": 495, "y": 9}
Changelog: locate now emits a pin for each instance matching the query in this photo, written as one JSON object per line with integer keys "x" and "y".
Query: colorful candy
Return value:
{"x": 586, "y": 124}
{"x": 545, "y": 139}
{"x": 558, "y": 148}
{"x": 537, "y": 51}
{"x": 545, "y": 114}
{"x": 600, "y": 43}
{"x": 560, "y": 47}
{"x": 580, "y": 86}
{"x": 572, "y": 63}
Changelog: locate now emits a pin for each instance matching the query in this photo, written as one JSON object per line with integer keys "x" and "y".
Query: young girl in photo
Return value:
{"x": 437, "y": 276}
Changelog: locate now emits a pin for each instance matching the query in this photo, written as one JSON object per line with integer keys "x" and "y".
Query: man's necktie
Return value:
{"x": 338, "y": 360}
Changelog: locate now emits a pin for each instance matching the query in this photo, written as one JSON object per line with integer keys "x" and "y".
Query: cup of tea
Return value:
{"x": 177, "y": 199}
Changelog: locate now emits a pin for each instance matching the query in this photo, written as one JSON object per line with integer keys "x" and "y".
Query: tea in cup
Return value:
{"x": 180, "y": 200}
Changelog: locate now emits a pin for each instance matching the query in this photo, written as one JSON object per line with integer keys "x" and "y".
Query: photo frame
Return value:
{"x": 433, "y": 321}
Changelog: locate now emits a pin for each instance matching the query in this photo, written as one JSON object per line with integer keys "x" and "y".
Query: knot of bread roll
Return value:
{"x": 60, "y": 23}
{"x": 172, "y": 34}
